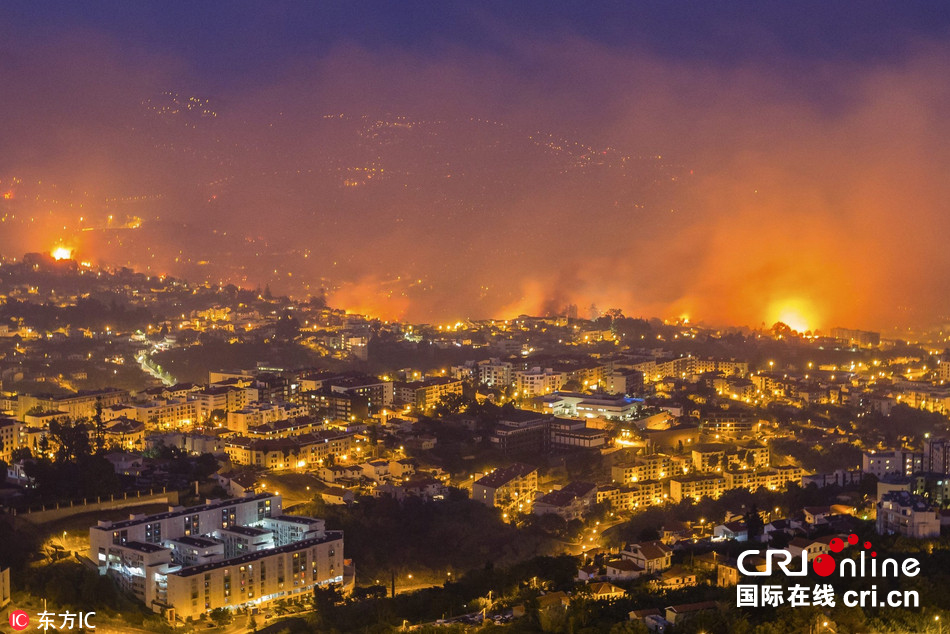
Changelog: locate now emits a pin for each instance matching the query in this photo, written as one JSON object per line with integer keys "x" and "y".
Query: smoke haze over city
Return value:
{"x": 463, "y": 167}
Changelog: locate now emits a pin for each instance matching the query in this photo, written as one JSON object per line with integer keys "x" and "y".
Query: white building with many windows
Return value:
{"x": 233, "y": 553}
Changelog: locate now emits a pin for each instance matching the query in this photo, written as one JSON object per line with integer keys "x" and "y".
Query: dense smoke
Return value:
{"x": 473, "y": 184}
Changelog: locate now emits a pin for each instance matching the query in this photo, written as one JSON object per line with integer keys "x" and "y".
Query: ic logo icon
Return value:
{"x": 19, "y": 620}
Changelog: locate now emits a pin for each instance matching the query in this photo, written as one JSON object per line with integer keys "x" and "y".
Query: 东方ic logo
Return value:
{"x": 19, "y": 620}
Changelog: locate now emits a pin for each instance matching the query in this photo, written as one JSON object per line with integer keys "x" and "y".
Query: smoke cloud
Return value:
{"x": 478, "y": 184}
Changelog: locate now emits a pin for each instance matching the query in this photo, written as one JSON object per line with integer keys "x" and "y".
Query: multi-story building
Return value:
{"x": 610, "y": 407}
{"x": 124, "y": 434}
{"x": 570, "y": 502}
{"x": 522, "y": 432}
{"x": 226, "y": 398}
{"x": 537, "y": 381}
{"x": 568, "y": 433}
{"x": 191, "y": 550}
{"x": 708, "y": 457}
{"x": 510, "y": 488}
{"x": 286, "y": 428}
{"x": 180, "y": 521}
{"x": 937, "y": 454}
{"x": 494, "y": 373}
{"x": 624, "y": 381}
{"x": 257, "y": 413}
{"x": 334, "y": 405}
{"x": 163, "y": 414}
{"x": 863, "y": 338}
{"x": 890, "y": 463}
{"x": 242, "y": 540}
{"x": 425, "y": 395}
{"x": 230, "y": 554}
{"x": 719, "y": 457}
{"x": 273, "y": 388}
{"x": 9, "y": 438}
{"x": 379, "y": 393}
{"x": 627, "y": 498}
{"x": 75, "y": 405}
{"x": 290, "y": 571}
{"x": 293, "y": 528}
{"x": 906, "y": 514}
{"x": 304, "y": 450}
{"x": 697, "y": 487}
{"x": 652, "y": 467}
{"x": 773, "y": 479}
{"x": 730, "y": 424}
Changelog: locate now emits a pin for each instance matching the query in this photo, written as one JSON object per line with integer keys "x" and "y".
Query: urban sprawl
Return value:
{"x": 224, "y": 455}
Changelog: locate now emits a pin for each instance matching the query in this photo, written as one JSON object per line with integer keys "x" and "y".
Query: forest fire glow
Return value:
{"x": 62, "y": 253}
{"x": 796, "y": 314}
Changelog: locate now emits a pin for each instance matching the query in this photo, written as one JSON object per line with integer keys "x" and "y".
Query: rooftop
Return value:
{"x": 142, "y": 547}
{"x": 248, "y": 531}
{"x": 186, "y": 511}
{"x": 197, "y": 542}
{"x": 252, "y": 557}
{"x": 503, "y": 476}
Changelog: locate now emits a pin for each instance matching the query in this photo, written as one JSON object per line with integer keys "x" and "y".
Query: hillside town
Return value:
{"x": 645, "y": 454}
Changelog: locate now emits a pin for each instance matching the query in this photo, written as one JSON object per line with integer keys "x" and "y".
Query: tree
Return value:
{"x": 287, "y": 328}
{"x": 573, "y": 385}
{"x": 450, "y": 404}
{"x": 21, "y": 453}
{"x": 252, "y": 624}
{"x": 72, "y": 438}
{"x": 220, "y": 616}
{"x": 100, "y": 436}
{"x": 753, "y": 522}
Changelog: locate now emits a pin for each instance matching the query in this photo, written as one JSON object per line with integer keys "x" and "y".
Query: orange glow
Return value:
{"x": 62, "y": 253}
{"x": 797, "y": 314}
{"x": 8, "y": 195}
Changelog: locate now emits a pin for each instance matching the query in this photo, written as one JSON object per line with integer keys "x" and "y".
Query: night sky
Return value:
{"x": 737, "y": 162}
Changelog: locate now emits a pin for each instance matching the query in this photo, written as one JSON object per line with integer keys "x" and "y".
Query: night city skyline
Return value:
{"x": 474, "y": 317}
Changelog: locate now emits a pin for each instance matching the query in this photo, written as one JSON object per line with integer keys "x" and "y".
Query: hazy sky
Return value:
{"x": 737, "y": 162}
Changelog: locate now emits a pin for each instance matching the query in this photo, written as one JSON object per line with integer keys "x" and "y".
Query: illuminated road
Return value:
{"x": 149, "y": 367}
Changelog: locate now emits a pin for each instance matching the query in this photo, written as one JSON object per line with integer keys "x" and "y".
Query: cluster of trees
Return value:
{"x": 70, "y": 462}
{"x": 370, "y": 610}
{"x": 69, "y": 584}
{"x": 433, "y": 539}
{"x": 903, "y": 421}
{"x": 77, "y": 468}
{"x": 819, "y": 458}
{"x": 86, "y": 313}
{"x": 193, "y": 363}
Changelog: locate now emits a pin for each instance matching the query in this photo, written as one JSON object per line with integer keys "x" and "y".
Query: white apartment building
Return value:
{"x": 232, "y": 553}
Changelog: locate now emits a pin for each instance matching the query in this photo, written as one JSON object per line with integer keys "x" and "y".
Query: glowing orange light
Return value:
{"x": 8, "y": 195}
{"x": 797, "y": 314}
{"x": 62, "y": 253}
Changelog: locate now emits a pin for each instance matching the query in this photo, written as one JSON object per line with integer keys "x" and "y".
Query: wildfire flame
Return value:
{"x": 797, "y": 314}
{"x": 62, "y": 253}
